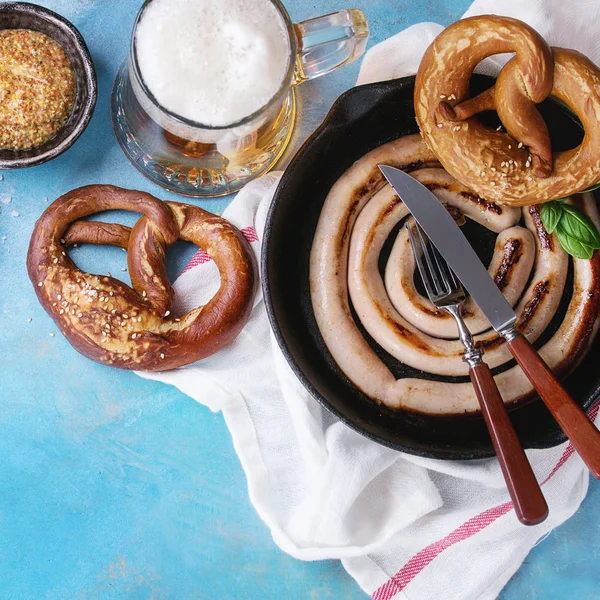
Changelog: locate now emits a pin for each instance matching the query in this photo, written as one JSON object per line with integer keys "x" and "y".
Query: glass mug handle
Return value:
{"x": 329, "y": 42}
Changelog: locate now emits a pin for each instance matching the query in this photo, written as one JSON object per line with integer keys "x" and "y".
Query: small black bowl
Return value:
{"x": 22, "y": 15}
{"x": 362, "y": 119}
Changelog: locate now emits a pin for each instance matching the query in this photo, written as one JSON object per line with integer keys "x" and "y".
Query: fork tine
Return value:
{"x": 440, "y": 281}
{"x": 419, "y": 252}
{"x": 442, "y": 266}
{"x": 456, "y": 284}
{"x": 432, "y": 263}
{"x": 452, "y": 282}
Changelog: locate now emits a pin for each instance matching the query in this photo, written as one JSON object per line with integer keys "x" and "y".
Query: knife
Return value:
{"x": 450, "y": 241}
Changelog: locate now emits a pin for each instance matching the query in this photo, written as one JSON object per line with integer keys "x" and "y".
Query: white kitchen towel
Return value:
{"x": 403, "y": 526}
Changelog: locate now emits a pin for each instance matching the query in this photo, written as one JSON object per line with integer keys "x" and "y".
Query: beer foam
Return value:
{"x": 212, "y": 61}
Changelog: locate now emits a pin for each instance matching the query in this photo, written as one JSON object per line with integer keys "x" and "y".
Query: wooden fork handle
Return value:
{"x": 572, "y": 420}
{"x": 528, "y": 500}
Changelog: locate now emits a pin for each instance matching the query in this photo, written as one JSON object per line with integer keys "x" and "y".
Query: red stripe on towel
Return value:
{"x": 419, "y": 561}
{"x": 199, "y": 258}
{"x": 250, "y": 234}
{"x": 202, "y": 257}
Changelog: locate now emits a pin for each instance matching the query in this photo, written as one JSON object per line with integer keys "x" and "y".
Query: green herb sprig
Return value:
{"x": 575, "y": 231}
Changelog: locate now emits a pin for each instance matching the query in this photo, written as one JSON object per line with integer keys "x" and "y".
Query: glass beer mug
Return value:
{"x": 195, "y": 159}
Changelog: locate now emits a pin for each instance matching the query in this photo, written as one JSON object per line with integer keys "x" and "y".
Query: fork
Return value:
{"x": 446, "y": 292}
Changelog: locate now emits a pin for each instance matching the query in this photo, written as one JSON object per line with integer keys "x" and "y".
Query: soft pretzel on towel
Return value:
{"x": 111, "y": 323}
{"x": 516, "y": 167}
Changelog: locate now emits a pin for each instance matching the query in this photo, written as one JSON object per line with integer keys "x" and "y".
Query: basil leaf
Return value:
{"x": 590, "y": 189}
{"x": 551, "y": 212}
{"x": 573, "y": 246}
{"x": 579, "y": 226}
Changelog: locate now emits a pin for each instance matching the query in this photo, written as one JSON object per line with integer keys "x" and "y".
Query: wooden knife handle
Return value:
{"x": 572, "y": 420}
{"x": 528, "y": 500}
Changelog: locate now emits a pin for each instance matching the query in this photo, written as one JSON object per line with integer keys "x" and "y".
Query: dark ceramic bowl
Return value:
{"x": 22, "y": 15}
{"x": 363, "y": 118}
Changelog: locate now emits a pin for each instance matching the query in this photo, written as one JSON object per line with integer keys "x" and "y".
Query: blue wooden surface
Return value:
{"x": 116, "y": 487}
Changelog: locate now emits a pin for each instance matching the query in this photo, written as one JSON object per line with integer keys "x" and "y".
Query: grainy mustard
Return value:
{"x": 37, "y": 88}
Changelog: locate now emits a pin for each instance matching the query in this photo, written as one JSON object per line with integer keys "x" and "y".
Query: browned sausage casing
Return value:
{"x": 361, "y": 194}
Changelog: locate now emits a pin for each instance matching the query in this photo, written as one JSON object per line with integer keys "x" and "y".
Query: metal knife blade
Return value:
{"x": 447, "y": 237}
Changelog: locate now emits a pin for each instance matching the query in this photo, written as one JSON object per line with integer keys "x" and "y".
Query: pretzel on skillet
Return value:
{"x": 516, "y": 167}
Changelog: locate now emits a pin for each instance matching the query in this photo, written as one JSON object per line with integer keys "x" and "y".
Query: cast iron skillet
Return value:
{"x": 360, "y": 120}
